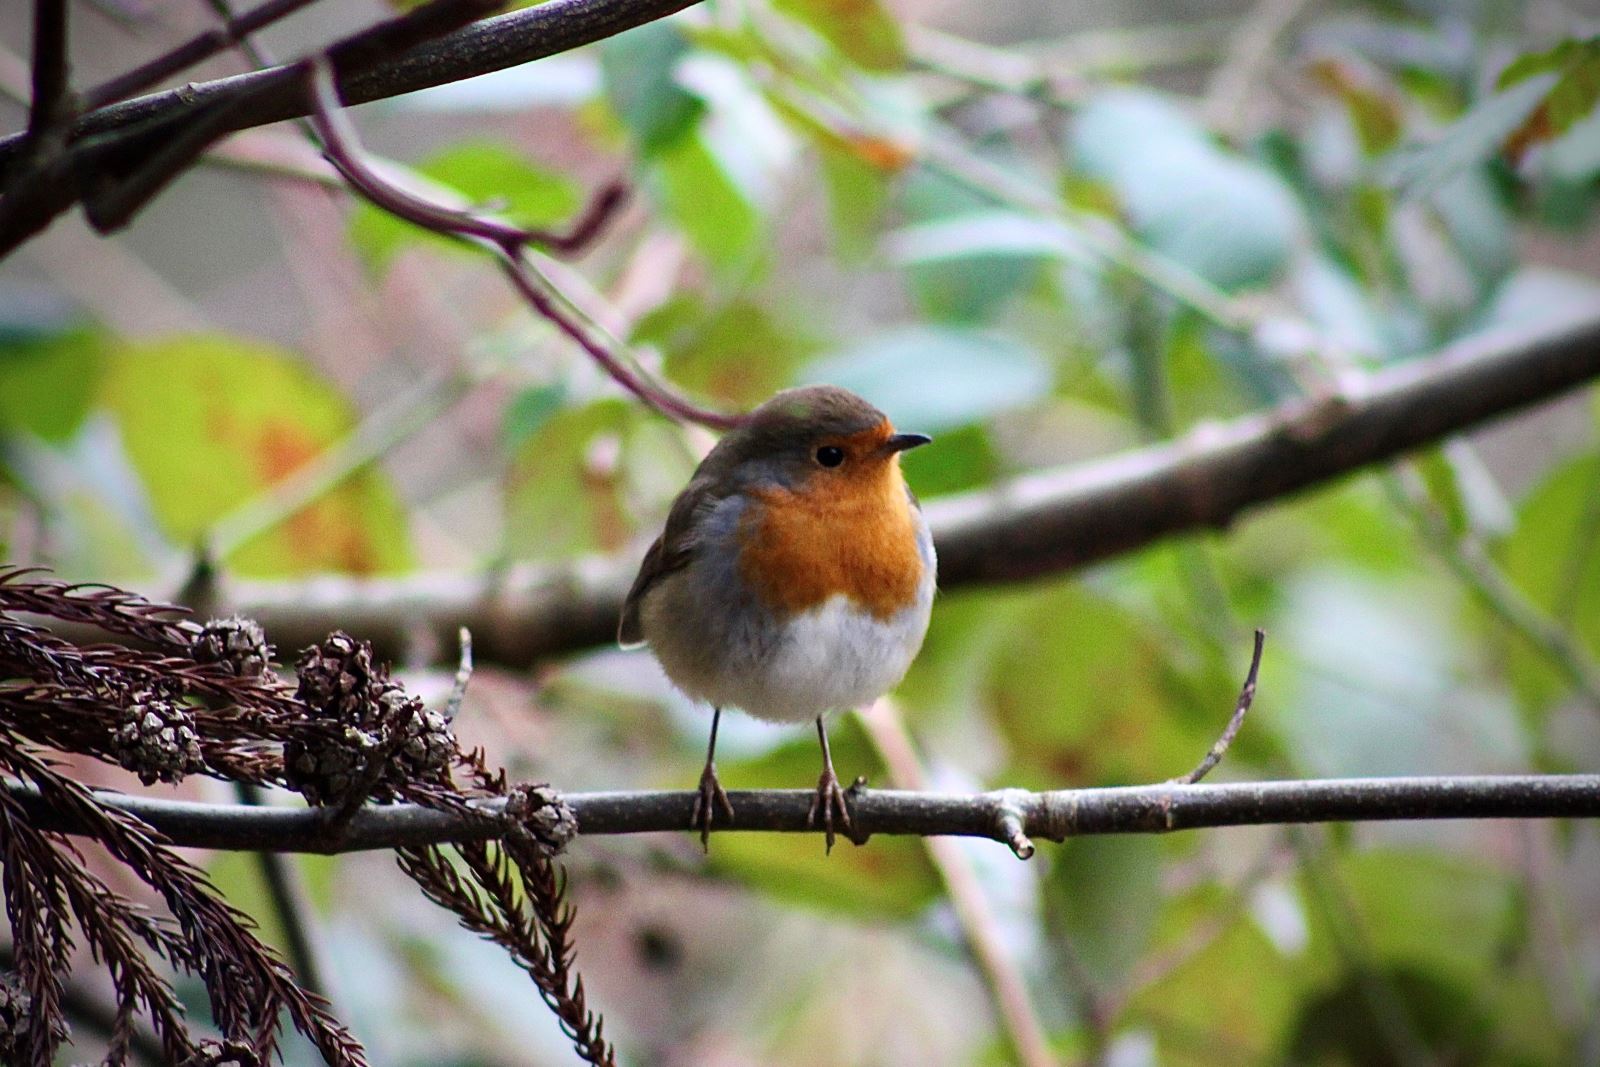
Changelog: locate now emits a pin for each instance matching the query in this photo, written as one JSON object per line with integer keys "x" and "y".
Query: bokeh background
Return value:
{"x": 1041, "y": 232}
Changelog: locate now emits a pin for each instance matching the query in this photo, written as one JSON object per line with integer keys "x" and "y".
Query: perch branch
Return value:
{"x": 1041, "y": 523}
{"x": 1054, "y": 815}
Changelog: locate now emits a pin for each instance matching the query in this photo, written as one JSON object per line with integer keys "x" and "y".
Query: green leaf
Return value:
{"x": 1470, "y": 141}
{"x": 948, "y": 678}
{"x": 1422, "y": 1014}
{"x": 210, "y": 422}
{"x": 858, "y": 191}
{"x": 1441, "y": 938}
{"x": 578, "y": 483}
{"x": 484, "y": 173}
{"x": 1120, "y": 714}
{"x": 965, "y": 459}
{"x": 638, "y": 67}
{"x": 529, "y": 410}
{"x": 931, "y": 378}
{"x": 863, "y": 30}
{"x": 1227, "y": 218}
{"x": 46, "y": 383}
{"x": 564, "y": 489}
{"x": 965, "y": 267}
{"x": 1103, "y": 897}
{"x": 1247, "y": 1013}
{"x": 740, "y": 352}
{"x": 889, "y": 877}
{"x": 1449, "y": 914}
{"x": 703, "y": 199}
{"x": 1562, "y": 58}
{"x": 1553, "y": 556}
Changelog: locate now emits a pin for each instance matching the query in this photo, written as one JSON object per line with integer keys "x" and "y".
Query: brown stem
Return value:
{"x": 195, "y": 50}
{"x": 1247, "y": 696}
{"x": 506, "y": 240}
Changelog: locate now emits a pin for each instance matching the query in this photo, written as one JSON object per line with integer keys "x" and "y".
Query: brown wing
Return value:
{"x": 670, "y": 552}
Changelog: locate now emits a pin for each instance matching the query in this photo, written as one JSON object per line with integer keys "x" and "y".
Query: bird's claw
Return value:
{"x": 711, "y": 797}
{"x": 830, "y": 798}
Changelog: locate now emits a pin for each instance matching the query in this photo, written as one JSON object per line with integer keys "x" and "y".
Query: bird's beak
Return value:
{"x": 900, "y": 442}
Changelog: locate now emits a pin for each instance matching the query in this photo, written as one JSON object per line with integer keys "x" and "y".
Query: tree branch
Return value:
{"x": 197, "y": 49}
{"x": 1038, "y": 524}
{"x": 115, "y": 173}
{"x": 50, "y": 89}
{"x": 275, "y": 94}
{"x": 1007, "y": 815}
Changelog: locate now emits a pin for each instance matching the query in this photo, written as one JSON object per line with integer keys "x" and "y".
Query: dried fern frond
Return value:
{"x": 206, "y": 699}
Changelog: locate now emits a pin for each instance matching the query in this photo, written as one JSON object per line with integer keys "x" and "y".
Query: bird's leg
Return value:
{"x": 712, "y": 795}
{"x": 830, "y": 797}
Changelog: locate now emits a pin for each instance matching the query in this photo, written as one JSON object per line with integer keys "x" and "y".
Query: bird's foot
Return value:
{"x": 830, "y": 800}
{"x": 712, "y": 796}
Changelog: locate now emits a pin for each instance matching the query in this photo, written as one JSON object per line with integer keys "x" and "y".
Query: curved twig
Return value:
{"x": 506, "y": 240}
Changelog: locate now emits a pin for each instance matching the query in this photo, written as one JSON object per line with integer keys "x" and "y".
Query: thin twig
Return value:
{"x": 979, "y": 925}
{"x": 1247, "y": 696}
{"x": 246, "y": 43}
{"x": 115, "y": 175}
{"x": 505, "y": 239}
{"x": 195, "y": 50}
{"x": 1056, "y": 815}
{"x": 1250, "y": 55}
{"x": 488, "y": 45}
{"x": 458, "y": 688}
{"x": 48, "y": 104}
{"x": 291, "y": 906}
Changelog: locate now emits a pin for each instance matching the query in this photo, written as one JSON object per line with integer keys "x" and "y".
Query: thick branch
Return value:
{"x": 493, "y": 44}
{"x": 1008, "y": 815}
{"x": 1038, "y": 524}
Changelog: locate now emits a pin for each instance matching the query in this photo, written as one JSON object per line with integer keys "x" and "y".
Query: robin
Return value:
{"x": 794, "y": 577}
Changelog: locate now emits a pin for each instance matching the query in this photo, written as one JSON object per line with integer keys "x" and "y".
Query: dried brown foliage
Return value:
{"x": 188, "y": 698}
{"x": 513, "y": 893}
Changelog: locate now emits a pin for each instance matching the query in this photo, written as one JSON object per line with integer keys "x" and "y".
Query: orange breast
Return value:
{"x": 853, "y": 535}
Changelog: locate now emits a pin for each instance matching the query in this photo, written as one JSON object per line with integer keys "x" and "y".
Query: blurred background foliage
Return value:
{"x": 1043, "y": 233}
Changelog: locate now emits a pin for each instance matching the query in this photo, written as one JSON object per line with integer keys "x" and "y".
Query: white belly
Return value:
{"x": 832, "y": 657}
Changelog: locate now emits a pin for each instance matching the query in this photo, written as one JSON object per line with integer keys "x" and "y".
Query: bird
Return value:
{"x": 794, "y": 577}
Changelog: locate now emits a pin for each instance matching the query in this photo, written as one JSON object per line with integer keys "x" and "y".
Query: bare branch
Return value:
{"x": 116, "y": 173}
{"x": 1054, "y": 815}
{"x": 507, "y": 241}
{"x": 50, "y": 87}
{"x": 195, "y": 50}
{"x": 1246, "y": 696}
{"x": 1038, "y": 524}
{"x": 492, "y": 44}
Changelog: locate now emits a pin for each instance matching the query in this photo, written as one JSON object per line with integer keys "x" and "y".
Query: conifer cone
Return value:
{"x": 378, "y": 720}
{"x": 16, "y": 1011}
{"x": 237, "y": 643}
{"x": 156, "y": 739}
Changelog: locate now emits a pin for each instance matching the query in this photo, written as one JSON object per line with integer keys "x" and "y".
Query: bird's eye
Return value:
{"x": 830, "y": 455}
